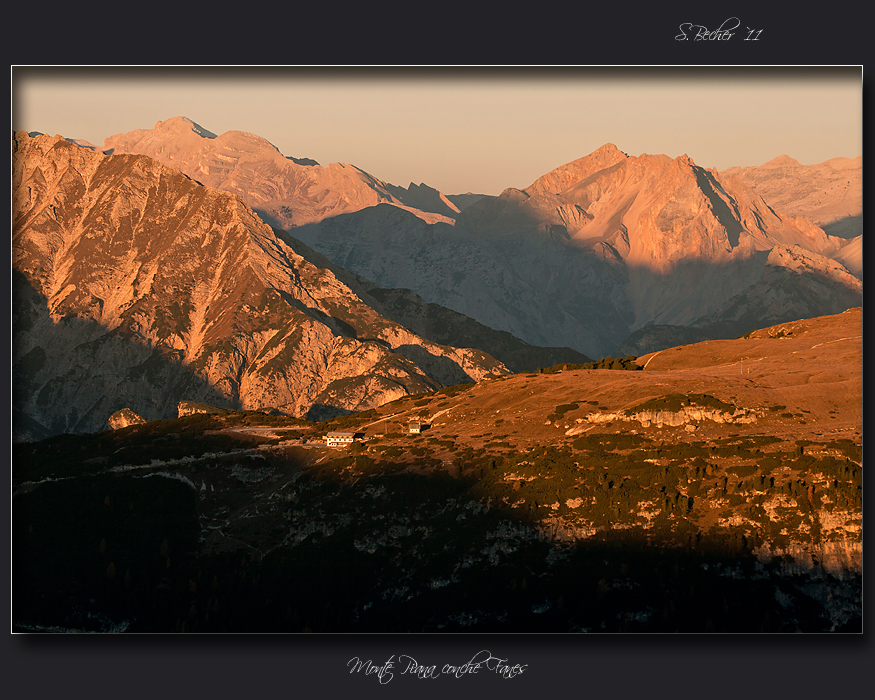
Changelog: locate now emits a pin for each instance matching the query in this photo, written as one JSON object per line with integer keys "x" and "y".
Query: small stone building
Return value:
{"x": 414, "y": 428}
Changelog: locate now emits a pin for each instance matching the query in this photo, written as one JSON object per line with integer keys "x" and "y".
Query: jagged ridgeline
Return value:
{"x": 135, "y": 286}
{"x": 606, "y": 254}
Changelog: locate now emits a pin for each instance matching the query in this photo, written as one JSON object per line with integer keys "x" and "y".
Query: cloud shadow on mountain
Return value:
{"x": 477, "y": 264}
{"x": 437, "y": 323}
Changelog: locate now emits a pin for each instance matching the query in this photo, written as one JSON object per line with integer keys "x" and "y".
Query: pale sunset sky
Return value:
{"x": 467, "y": 129}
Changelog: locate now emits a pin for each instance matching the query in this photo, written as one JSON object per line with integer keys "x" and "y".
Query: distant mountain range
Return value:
{"x": 166, "y": 288}
{"x": 828, "y": 193}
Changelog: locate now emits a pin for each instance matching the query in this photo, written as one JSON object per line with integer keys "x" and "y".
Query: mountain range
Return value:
{"x": 602, "y": 248}
{"x": 598, "y": 249}
{"x": 285, "y": 191}
{"x": 136, "y": 287}
{"x": 178, "y": 264}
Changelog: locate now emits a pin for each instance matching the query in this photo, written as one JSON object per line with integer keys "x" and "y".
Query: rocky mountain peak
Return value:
{"x": 781, "y": 161}
{"x": 182, "y": 125}
{"x": 608, "y": 148}
{"x": 565, "y": 176}
{"x": 137, "y": 287}
{"x": 285, "y": 191}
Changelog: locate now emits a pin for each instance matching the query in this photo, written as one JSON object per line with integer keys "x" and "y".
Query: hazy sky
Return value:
{"x": 467, "y": 130}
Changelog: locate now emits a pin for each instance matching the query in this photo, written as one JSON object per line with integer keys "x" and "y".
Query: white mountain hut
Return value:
{"x": 340, "y": 439}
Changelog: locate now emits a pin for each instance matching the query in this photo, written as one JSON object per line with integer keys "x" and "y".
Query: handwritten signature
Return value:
{"x": 700, "y": 32}
{"x": 408, "y": 665}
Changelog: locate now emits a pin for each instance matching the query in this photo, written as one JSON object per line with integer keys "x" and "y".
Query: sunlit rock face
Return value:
{"x": 285, "y": 190}
{"x": 828, "y": 193}
{"x": 190, "y": 408}
{"x": 138, "y": 287}
{"x": 123, "y": 418}
{"x": 601, "y": 248}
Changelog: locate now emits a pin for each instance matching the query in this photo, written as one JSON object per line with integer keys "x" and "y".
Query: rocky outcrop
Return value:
{"x": 136, "y": 286}
{"x": 123, "y": 418}
{"x": 839, "y": 559}
{"x": 658, "y": 419}
{"x": 189, "y": 408}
